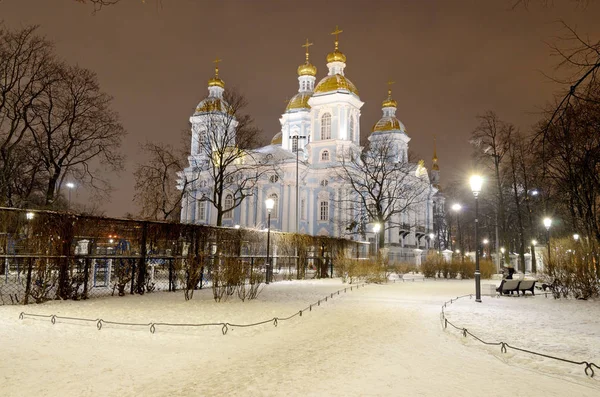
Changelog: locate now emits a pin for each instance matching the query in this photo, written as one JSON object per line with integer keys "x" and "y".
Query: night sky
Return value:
{"x": 451, "y": 60}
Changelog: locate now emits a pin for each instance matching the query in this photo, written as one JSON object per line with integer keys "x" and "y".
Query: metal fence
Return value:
{"x": 49, "y": 255}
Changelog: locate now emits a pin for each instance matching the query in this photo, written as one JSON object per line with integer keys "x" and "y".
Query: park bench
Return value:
{"x": 508, "y": 286}
{"x": 527, "y": 285}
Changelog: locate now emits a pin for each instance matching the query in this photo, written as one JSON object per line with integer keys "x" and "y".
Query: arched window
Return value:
{"x": 275, "y": 209}
{"x": 326, "y": 126}
{"x": 324, "y": 213}
{"x": 325, "y": 155}
{"x": 351, "y": 130}
{"x": 294, "y": 143}
{"x": 227, "y": 205}
{"x": 324, "y": 182}
{"x": 273, "y": 178}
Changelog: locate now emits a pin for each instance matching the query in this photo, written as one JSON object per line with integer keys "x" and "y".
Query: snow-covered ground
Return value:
{"x": 380, "y": 340}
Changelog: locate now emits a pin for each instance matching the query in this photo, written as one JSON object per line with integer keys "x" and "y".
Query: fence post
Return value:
{"x": 170, "y": 274}
{"x": 86, "y": 271}
{"x": 28, "y": 285}
{"x": 132, "y": 261}
{"x": 141, "y": 281}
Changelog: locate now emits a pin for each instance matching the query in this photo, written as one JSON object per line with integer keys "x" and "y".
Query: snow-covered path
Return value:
{"x": 375, "y": 341}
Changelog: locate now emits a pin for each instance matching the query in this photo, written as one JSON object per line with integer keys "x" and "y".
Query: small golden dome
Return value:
{"x": 307, "y": 69}
{"x": 299, "y": 101}
{"x": 215, "y": 81}
{"x": 277, "y": 139}
{"x": 435, "y": 167}
{"x": 336, "y": 56}
{"x": 389, "y": 102}
{"x": 336, "y": 82}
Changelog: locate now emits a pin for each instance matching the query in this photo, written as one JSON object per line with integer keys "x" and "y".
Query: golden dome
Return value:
{"x": 215, "y": 81}
{"x": 299, "y": 101}
{"x": 277, "y": 139}
{"x": 307, "y": 68}
{"x": 435, "y": 167}
{"x": 336, "y": 82}
{"x": 389, "y": 102}
{"x": 336, "y": 56}
{"x": 212, "y": 104}
{"x": 388, "y": 124}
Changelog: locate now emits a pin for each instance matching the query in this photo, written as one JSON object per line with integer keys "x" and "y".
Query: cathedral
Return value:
{"x": 320, "y": 128}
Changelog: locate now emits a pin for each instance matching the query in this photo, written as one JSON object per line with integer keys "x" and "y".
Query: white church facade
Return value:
{"x": 320, "y": 125}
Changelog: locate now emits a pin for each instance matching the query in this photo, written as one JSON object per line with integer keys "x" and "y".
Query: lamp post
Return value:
{"x": 456, "y": 208}
{"x": 547, "y": 224}
{"x": 70, "y": 186}
{"x": 376, "y": 229}
{"x": 270, "y": 203}
{"x": 476, "y": 182}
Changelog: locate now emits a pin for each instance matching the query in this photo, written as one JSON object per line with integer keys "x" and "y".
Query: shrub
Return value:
{"x": 573, "y": 269}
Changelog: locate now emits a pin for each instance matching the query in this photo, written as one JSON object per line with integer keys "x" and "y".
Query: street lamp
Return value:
{"x": 431, "y": 237}
{"x": 456, "y": 208}
{"x": 29, "y": 215}
{"x": 547, "y": 224}
{"x": 270, "y": 203}
{"x": 376, "y": 229}
{"x": 476, "y": 182}
{"x": 70, "y": 186}
{"x": 485, "y": 242}
{"x": 576, "y": 237}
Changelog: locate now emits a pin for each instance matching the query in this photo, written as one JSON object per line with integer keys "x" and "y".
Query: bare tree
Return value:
{"x": 27, "y": 66}
{"x": 156, "y": 181}
{"x": 226, "y": 169}
{"x": 491, "y": 140}
{"x": 74, "y": 128}
{"x": 381, "y": 185}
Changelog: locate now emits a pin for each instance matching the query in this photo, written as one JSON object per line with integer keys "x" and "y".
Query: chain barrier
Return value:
{"x": 589, "y": 366}
{"x": 225, "y": 326}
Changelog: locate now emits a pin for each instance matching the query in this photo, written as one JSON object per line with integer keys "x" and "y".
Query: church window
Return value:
{"x": 324, "y": 214}
{"x": 275, "y": 209}
{"x": 326, "y": 126}
{"x": 227, "y": 206}
{"x": 202, "y": 210}
{"x": 303, "y": 209}
{"x": 351, "y": 129}
{"x": 229, "y": 179}
{"x": 325, "y": 155}
{"x": 273, "y": 178}
{"x": 324, "y": 182}
{"x": 295, "y": 144}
